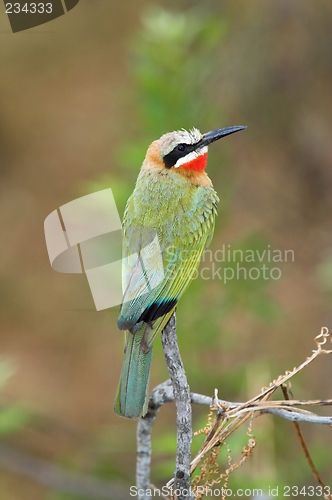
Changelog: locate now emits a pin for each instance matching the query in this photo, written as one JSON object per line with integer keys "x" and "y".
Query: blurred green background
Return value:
{"x": 81, "y": 99}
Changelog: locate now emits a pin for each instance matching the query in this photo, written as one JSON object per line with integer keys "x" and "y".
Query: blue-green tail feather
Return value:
{"x": 132, "y": 394}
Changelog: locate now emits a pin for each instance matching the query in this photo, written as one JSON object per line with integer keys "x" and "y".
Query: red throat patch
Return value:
{"x": 198, "y": 164}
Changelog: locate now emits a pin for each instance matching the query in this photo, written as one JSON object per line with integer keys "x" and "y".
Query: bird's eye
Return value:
{"x": 181, "y": 147}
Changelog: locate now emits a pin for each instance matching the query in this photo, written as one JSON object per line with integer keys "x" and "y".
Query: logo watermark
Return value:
{"x": 85, "y": 236}
{"x": 225, "y": 492}
{"x": 25, "y": 15}
{"x": 228, "y": 263}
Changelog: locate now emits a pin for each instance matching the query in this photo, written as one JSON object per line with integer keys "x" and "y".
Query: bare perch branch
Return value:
{"x": 143, "y": 467}
{"x": 183, "y": 410}
{"x": 163, "y": 393}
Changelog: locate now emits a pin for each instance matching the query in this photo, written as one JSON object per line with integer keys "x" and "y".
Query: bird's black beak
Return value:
{"x": 214, "y": 135}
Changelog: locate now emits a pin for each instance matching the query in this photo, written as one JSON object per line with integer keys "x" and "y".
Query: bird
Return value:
{"x": 168, "y": 222}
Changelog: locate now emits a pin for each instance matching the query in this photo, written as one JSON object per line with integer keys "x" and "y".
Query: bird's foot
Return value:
{"x": 144, "y": 343}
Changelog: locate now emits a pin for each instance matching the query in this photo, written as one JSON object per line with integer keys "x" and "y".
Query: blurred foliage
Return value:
{"x": 12, "y": 418}
{"x": 324, "y": 273}
{"x": 6, "y": 370}
{"x": 171, "y": 65}
{"x": 65, "y": 496}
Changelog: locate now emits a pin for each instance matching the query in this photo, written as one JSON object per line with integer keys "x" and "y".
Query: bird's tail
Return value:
{"x": 132, "y": 394}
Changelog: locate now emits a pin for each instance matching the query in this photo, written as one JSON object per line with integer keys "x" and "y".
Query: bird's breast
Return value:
{"x": 173, "y": 207}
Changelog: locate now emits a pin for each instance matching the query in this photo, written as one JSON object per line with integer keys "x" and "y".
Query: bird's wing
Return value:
{"x": 182, "y": 272}
{"x": 154, "y": 277}
{"x": 142, "y": 272}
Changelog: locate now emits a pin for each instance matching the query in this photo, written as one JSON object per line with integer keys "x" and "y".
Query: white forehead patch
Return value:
{"x": 191, "y": 156}
{"x": 170, "y": 140}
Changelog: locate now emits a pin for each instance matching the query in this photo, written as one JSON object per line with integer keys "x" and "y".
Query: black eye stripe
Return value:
{"x": 179, "y": 151}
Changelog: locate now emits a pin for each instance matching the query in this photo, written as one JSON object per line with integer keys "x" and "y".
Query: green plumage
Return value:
{"x": 131, "y": 398}
{"x": 183, "y": 216}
